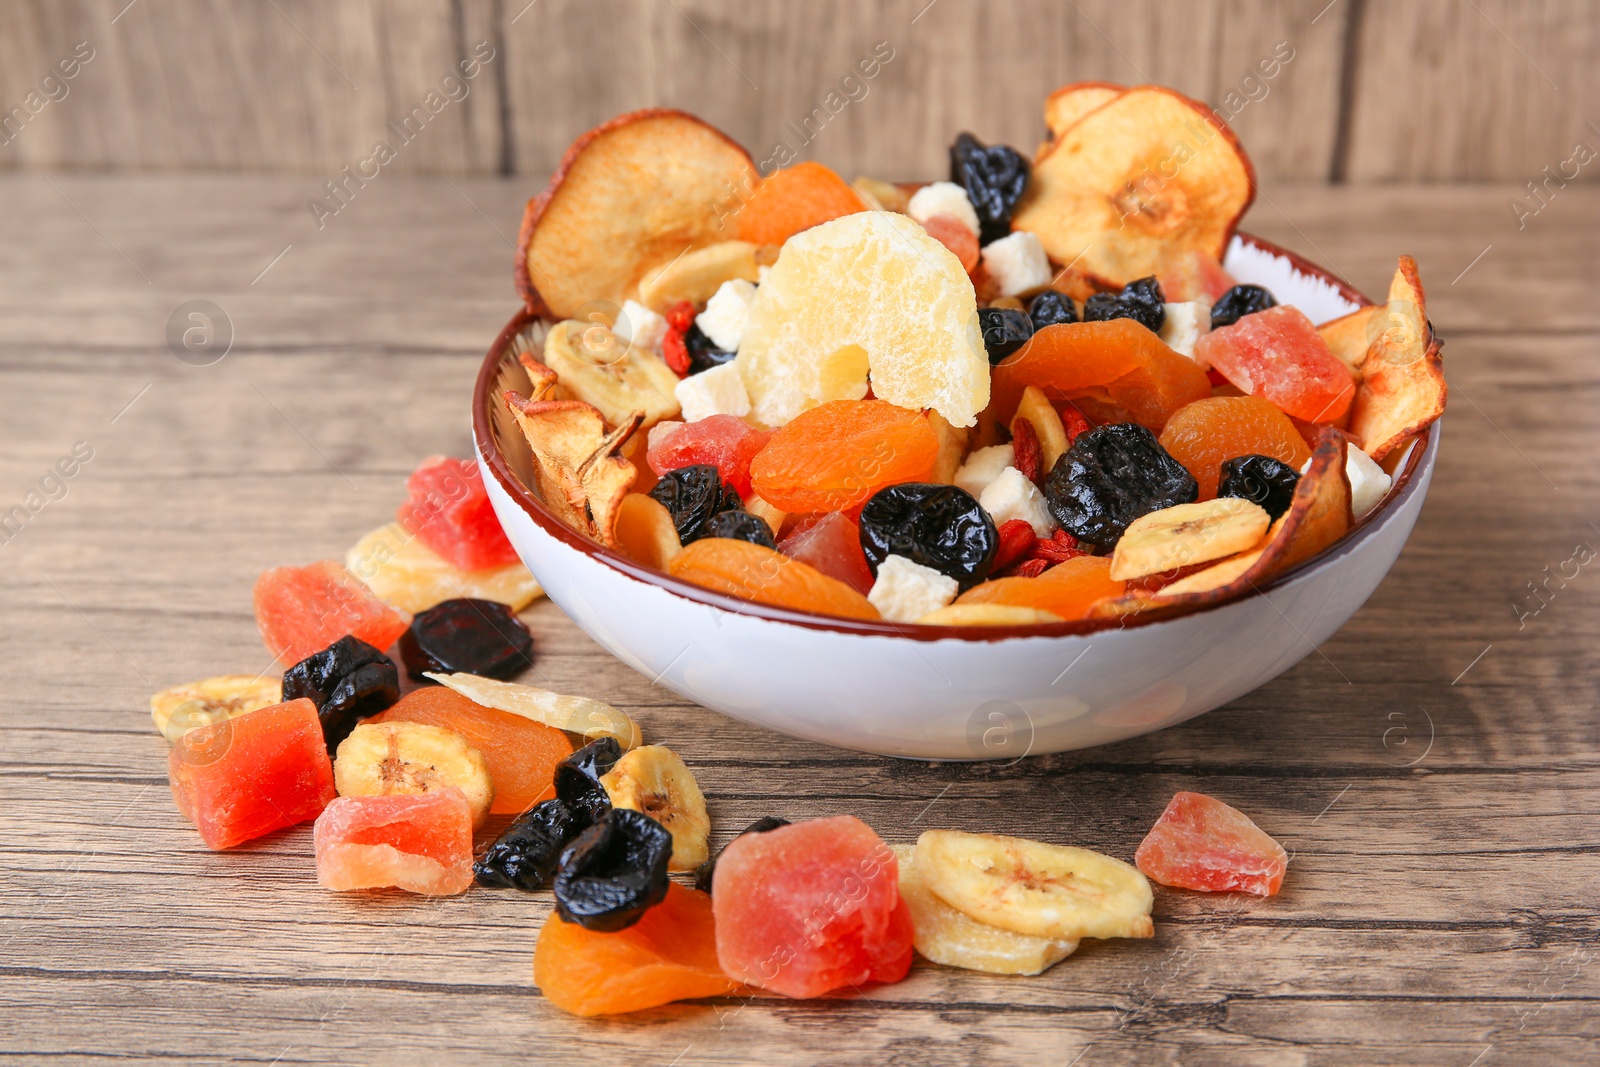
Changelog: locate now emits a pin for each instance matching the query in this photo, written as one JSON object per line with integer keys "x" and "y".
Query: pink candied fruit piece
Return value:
{"x": 811, "y": 907}
{"x": 421, "y": 843}
{"x": 954, "y": 235}
{"x": 831, "y": 543}
{"x": 303, "y": 610}
{"x": 449, "y": 511}
{"x": 1201, "y": 843}
{"x": 252, "y": 774}
{"x": 1278, "y": 355}
{"x": 722, "y": 441}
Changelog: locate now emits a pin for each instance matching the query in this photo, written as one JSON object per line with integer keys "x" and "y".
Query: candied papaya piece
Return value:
{"x": 765, "y": 576}
{"x": 1278, "y": 354}
{"x": 794, "y": 199}
{"x": 1203, "y": 844}
{"x": 669, "y": 954}
{"x": 722, "y": 441}
{"x": 521, "y": 755}
{"x": 1207, "y": 433}
{"x": 835, "y": 456}
{"x": 252, "y": 774}
{"x": 448, "y": 510}
{"x": 302, "y": 610}
{"x": 420, "y": 843}
{"x": 1068, "y": 589}
{"x": 831, "y": 543}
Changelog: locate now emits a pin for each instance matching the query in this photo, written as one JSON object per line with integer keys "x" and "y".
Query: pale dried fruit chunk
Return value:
{"x": 882, "y": 195}
{"x": 585, "y": 716}
{"x": 946, "y": 936}
{"x": 1029, "y": 887}
{"x": 696, "y": 276}
{"x": 645, "y": 531}
{"x": 1186, "y": 534}
{"x": 1349, "y": 336}
{"x": 1071, "y": 102}
{"x": 1036, "y": 408}
{"x": 876, "y": 281}
{"x": 988, "y": 615}
{"x": 385, "y": 758}
{"x": 406, "y": 574}
{"x": 578, "y": 469}
{"x": 952, "y": 448}
{"x": 186, "y": 707}
{"x": 655, "y": 780}
{"x": 594, "y": 365}
{"x": 1214, "y": 577}
{"x": 1402, "y": 387}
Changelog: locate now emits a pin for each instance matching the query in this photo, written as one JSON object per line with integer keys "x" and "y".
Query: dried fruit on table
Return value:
{"x": 1101, "y": 196}
{"x": 628, "y": 195}
{"x": 1109, "y": 477}
{"x": 613, "y": 872}
{"x": 584, "y": 716}
{"x": 1201, "y": 843}
{"x": 1262, "y": 480}
{"x": 794, "y": 199}
{"x": 578, "y": 469}
{"x": 1029, "y": 887}
{"x": 654, "y": 779}
{"x": 1402, "y": 388}
{"x": 833, "y": 457}
{"x": 832, "y": 544}
{"x": 470, "y": 636}
{"x": 1239, "y": 301}
{"x": 409, "y": 758}
{"x": 760, "y": 574}
{"x": 1186, "y": 534}
{"x": 447, "y": 508}
{"x": 594, "y": 365}
{"x": 739, "y": 525}
{"x": 937, "y": 526}
{"x": 526, "y": 856}
{"x": 520, "y": 755}
{"x": 954, "y": 235}
{"x": 953, "y": 939}
{"x": 1207, "y": 433}
{"x": 994, "y": 177}
{"x": 302, "y": 610}
{"x": 1068, "y": 589}
{"x": 692, "y": 495}
{"x": 348, "y": 681}
{"x": 723, "y": 441}
{"x": 1071, "y": 102}
{"x": 645, "y": 531}
{"x": 577, "y": 778}
{"x": 704, "y": 873}
{"x": 243, "y": 777}
{"x": 1004, "y": 331}
{"x": 868, "y": 292}
{"x": 669, "y": 954}
{"x": 182, "y": 708}
{"x": 811, "y": 907}
{"x": 422, "y": 843}
{"x": 1278, "y": 354}
{"x": 406, "y": 574}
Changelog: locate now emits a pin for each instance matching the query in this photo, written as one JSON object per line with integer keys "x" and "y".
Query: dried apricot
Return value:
{"x": 794, "y": 199}
{"x": 1067, "y": 589}
{"x": 754, "y": 572}
{"x": 835, "y": 456}
{"x": 1207, "y": 433}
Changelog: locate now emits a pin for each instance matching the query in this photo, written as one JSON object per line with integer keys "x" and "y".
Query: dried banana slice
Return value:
{"x": 182, "y": 708}
{"x": 945, "y": 935}
{"x": 381, "y": 759}
{"x": 1032, "y": 888}
{"x": 406, "y": 574}
{"x": 585, "y": 716}
{"x": 596, "y": 366}
{"x": 696, "y": 276}
{"x": 1186, "y": 534}
{"x": 988, "y": 615}
{"x": 655, "y": 780}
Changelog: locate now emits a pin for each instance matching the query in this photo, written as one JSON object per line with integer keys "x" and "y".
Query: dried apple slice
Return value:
{"x": 1071, "y": 102}
{"x": 1135, "y": 180}
{"x": 1349, "y": 336}
{"x": 1402, "y": 387}
{"x": 631, "y": 194}
{"x": 578, "y": 471}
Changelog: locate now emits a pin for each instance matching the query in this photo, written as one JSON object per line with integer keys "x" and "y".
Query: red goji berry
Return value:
{"x": 1025, "y": 443}
{"x": 680, "y": 317}
{"x": 1031, "y": 568}
{"x": 1016, "y": 541}
{"x": 1073, "y": 422}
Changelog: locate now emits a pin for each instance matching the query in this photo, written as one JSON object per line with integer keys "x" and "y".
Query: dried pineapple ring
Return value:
{"x": 585, "y": 716}
{"x": 186, "y": 707}
{"x": 406, "y": 574}
{"x": 654, "y": 780}
{"x": 385, "y": 758}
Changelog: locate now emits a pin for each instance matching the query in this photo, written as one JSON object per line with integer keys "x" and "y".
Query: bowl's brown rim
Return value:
{"x": 547, "y": 521}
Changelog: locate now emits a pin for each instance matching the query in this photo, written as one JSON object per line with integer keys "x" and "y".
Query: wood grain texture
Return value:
{"x": 1434, "y": 767}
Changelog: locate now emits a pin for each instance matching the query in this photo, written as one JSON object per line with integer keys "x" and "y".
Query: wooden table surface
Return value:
{"x": 1434, "y": 768}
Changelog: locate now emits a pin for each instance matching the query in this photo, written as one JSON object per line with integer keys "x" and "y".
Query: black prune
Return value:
{"x": 467, "y": 635}
{"x": 703, "y": 873}
{"x": 1261, "y": 479}
{"x": 1004, "y": 331}
{"x": 526, "y": 855}
{"x": 1051, "y": 308}
{"x": 1139, "y": 300}
{"x": 1238, "y": 302}
{"x": 740, "y": 525}
{"x": 1110, "y": 476}
{"x": 694, "y": 494}
{"x": 994, "y": 178}
{"x": 614, "y": 871}
{"x": 938, "y": 526}
{"x": 577, "y": 777}
{"x": 703, "y": 352}
{"x": 347, "y": 681}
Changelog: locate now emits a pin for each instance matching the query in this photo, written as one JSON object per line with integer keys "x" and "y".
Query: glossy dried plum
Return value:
{"x": 1110, "y": 476}
{"x": 347, "y": 681}
{"x": 1051, "y": 308}
{"x": 994, "y": 177}
{"x": 577, "y": 777}
{"x": 704, "y": 872}
{"x": 467, "y": 636}
{"x": 692, "y": 495}
{"x": 1140, "y": 300}
{"x": 526, "y": 855}
{"x": 613, "y": 872}
{"x": 740, "y": 525}
{"x": 1004, "y": 331}
{"x": 1260, "y": 479}
{"x": 703, "y": 351}
{"x": 938, "y": 526}
{"x": 1238, "y": 302}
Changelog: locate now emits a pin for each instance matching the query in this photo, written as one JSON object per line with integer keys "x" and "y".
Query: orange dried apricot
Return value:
{"x": 1067, "y": 589}
{"x": 1207, "y": 433}
{"x": 794, "y": 199}
{"x": 755, "y": 572}
{"x": 835, "y": 456}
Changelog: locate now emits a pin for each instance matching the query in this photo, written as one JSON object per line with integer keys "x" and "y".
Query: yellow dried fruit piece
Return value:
{"x": 875, "y": 281}
{"x": 594, "y": 365}
{"x": 696, "y": 276}
{"x": 186, "y": 707}
{"x": 1032, "y": 888}
{"x": 1052, "y": 434}
{"x": 952, "y": 448}
{"x": 381, "y": 759}
{"x": 404, "y": 573}
{"x": 882, "y": 195}
{"x": 1186, "y": 534}
{"x": 768, "y": 513}
{"x": 585, "y": 716}
{"x": 654, "y": 780}
{"x": 946, "y": 936}
{"x": 987, "y": 615}
{"x": 645, "y": 531}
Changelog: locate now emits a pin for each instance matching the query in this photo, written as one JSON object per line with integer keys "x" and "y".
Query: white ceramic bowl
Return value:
{"x": 947, "y": 693}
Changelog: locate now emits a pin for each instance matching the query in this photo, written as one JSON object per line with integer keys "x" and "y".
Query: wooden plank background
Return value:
{"x": 1377, "y": 90}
